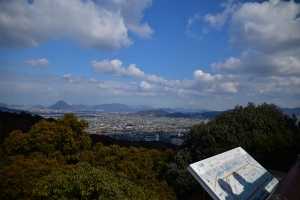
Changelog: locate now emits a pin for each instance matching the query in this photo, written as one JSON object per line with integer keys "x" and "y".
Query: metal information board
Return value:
{"x": 233, "y": 175}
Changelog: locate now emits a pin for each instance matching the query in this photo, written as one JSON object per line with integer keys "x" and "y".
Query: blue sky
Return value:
{"x": 163, "y": 53}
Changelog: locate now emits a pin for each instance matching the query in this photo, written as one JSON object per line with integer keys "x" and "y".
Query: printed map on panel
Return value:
{"x": 233, "y": 175}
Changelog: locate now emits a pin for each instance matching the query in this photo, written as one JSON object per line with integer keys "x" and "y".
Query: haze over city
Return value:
{"x": 162, "y": 53}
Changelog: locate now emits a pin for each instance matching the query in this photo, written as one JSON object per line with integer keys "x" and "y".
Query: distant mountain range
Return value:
{"x": 152, "y": 113}
{"x": 111, "y": 107}
{"x": 5, "y": 109}
{"x": 163, "y": 113}
{"x": 3, "y": 105}
{"x": 137, "y": 110}
{"x": 290, "y": 111}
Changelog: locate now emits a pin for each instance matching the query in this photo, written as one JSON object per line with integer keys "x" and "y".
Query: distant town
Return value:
{"x": 139, "y": 123}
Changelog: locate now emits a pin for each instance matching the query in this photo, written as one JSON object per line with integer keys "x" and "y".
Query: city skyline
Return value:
{"x": 190, "y": 54}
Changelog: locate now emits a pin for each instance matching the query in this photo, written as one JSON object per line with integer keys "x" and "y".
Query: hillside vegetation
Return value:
{"x": 59, "y": 160}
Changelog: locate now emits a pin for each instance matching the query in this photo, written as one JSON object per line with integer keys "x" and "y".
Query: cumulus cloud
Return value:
{"x": 260, "y": 64}
{"x": 270, "y": 27}
{"x": 133, "y": 71}
{"x": 144, "y": 85}
{"x": 200, "y": 84}
{"x": 218, "y": 20}
{"x": 269, "y": 34}
{"x": 132, "y": 13}
{"x": 115, "y": 68}
{"x": 229, "y": 87}
{"x": 102, "y": 25}
{"x": 199, "y": 75}
{"x": 43, "y": 62}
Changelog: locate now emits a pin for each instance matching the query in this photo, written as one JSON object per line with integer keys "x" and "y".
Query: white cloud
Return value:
{"x": 43, "y": 62}
{"x": 103, "y": 25}
{"x": 269, "y": 34}
{"x": 229, "y": 87}
{"x": 217, "y": 21}
{"x": 199, "y": 75}
{"x": 132, "y": 13}
{"x": 115, "y": 68}
{"x": 270, "y": 27}
{"x": 146, "y": 86}
{"x": 260, "y": 64}
{"x": 132, "y": 71}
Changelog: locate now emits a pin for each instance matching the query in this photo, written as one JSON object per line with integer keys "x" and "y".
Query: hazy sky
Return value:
{"x": 164, "y": 53}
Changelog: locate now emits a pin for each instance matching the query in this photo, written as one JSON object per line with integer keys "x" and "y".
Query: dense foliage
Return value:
{"x": 55, "y": 160}
{"x": 82, "y": 181}
{"x": 143, "y": 167}
{"x": 58, "y": 159}
{"x": 268, "y": 135}
{"x": 19, "y": 178}
{"x": 13, "y": 121}
{"x": 64, "y": 137}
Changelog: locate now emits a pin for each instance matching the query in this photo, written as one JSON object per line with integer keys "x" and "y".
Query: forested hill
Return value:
{"x": 152, "y": 113}
{"x": 10, "y": 121}
{"x": 163, "y": 113}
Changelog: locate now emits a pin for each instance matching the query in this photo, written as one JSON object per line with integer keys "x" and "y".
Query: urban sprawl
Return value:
{"x": 127, "y": 126}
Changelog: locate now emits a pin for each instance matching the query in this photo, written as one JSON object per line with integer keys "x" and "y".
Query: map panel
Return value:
{"x": 233, "y": 175}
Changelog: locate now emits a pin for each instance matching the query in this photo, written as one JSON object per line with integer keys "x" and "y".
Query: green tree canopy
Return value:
{"x": 66, "y": 142}
{"x": 13, "y": 121}
{"x": 66, "y": 136}
{"x": 143, "y": 167}
{"x": 19, "y": 178}
{"x": 263, "y": 131}
{"x": 82, "y": 181}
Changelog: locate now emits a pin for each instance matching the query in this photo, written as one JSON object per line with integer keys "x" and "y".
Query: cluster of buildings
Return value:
{"x": 125, "y": 126}
{"x": 172, "y": 138}
{"x": 132, "y": 128}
